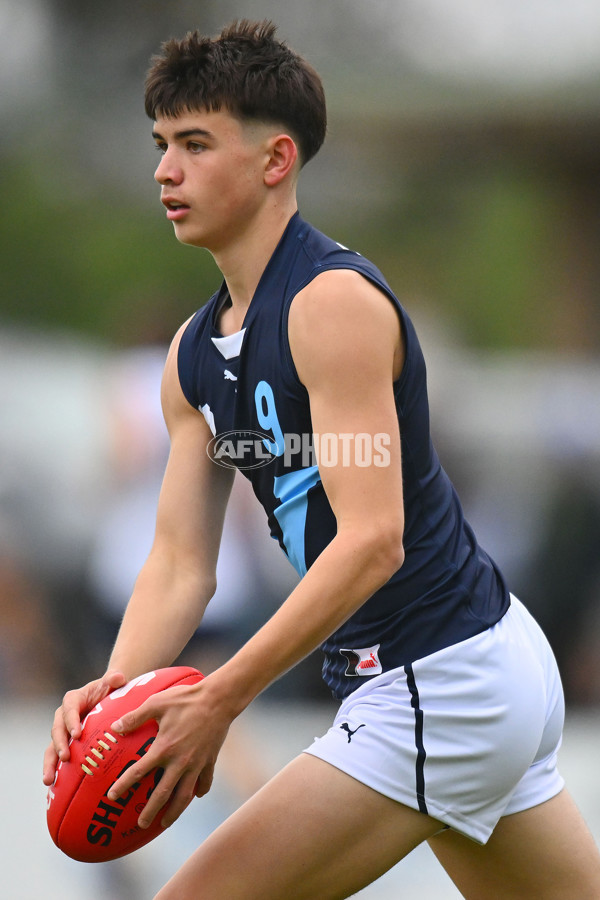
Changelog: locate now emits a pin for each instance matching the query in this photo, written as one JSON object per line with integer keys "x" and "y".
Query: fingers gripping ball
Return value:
{"x": 82, "y": 822}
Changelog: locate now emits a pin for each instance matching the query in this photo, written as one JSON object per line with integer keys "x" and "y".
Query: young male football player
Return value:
{"x": 451, "y": 704}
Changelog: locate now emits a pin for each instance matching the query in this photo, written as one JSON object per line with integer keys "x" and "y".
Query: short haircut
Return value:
{"x": 245, "y": 71}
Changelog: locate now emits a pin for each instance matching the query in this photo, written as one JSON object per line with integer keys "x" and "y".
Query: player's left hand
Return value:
{"x": 192, "y": 729}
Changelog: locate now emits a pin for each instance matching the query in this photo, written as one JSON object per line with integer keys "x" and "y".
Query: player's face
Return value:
{"x": 211, "y": 175}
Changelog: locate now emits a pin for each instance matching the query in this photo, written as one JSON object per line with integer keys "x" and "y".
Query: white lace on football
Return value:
{"x": 98, "y": 753}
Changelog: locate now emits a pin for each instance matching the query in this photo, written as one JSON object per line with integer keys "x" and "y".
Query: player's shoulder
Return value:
{"x": 339, "y": 319}
{"x": 340, "y": 294}
{"x": 175, "y": 397}
{"x": 173, "y": 353}
{"x": 181, "y": 364}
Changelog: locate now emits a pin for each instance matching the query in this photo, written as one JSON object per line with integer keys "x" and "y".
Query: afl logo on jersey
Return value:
{"x": 241, "y": 449}
{"x": 363, "y": 662}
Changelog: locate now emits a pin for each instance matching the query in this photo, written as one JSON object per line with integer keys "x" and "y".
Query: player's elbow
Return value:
{"x": 386, "y": 548}
{"x": 394, "y": 548}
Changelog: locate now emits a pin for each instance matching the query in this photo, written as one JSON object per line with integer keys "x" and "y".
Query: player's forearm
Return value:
{"x": 346, "y": 574}
{"x": 164, "y": 611}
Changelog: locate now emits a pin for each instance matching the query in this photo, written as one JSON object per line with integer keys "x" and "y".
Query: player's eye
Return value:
{"x": 195, "y": 147}
{"x": 161, "y": 148}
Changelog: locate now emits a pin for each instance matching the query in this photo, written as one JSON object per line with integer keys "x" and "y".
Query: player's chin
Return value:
{"x": 190, "y": 236}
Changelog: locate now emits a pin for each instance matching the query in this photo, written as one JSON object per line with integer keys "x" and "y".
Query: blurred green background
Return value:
{"x": 462, "y": 158}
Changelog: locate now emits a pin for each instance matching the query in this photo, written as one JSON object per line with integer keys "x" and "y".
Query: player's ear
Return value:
{"x": 283, "y": 156}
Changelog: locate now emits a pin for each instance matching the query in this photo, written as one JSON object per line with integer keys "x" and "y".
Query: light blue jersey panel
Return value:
{"x": 292, "y": 489}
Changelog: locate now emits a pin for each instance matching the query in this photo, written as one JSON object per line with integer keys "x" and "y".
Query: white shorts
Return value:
{"x": 467, "y": 735}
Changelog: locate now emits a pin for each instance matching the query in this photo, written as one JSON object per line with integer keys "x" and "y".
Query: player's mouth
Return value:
{"x": 175, "y": 208}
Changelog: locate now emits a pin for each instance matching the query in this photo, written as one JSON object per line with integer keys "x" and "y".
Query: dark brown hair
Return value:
{"x": 246, "y": 71}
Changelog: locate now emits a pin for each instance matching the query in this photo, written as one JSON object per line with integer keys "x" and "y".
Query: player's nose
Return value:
{"x": 167, "y": 171}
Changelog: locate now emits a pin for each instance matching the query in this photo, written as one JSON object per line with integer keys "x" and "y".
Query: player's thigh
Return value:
{"x": 311, "y": 832}
{"x": 546, "y": 852}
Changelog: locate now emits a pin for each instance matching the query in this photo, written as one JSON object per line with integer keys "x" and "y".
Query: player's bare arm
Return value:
{"x": 346, "y": 342}
{"x": 178, "y": 578}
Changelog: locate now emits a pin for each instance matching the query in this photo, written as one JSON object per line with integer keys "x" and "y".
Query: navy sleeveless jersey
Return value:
{"x": 246, "y": 385}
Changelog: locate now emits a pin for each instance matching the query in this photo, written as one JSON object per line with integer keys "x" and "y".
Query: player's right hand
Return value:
{"x": 69, "y": 716}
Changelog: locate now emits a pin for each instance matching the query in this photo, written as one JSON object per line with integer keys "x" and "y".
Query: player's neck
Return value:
{"x": 243, "y": 262}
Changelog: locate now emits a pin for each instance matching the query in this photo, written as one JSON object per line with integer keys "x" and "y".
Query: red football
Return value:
{"x": 82, "y": 822}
